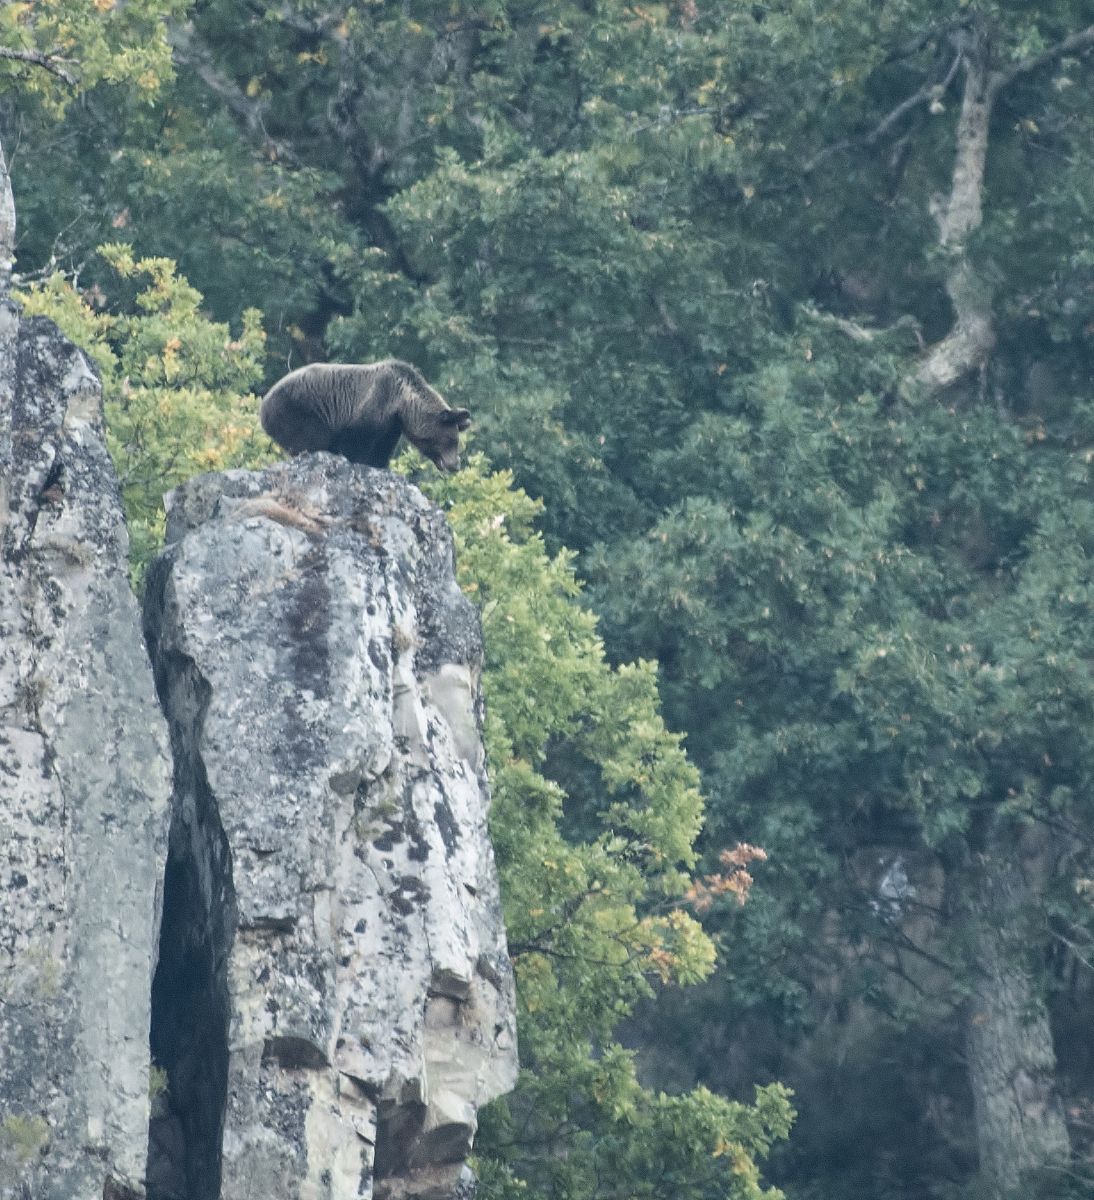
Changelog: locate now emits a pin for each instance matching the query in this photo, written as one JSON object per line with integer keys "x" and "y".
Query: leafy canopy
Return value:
{"x": 175, "y": 384}
{"x": 50, "y": 49}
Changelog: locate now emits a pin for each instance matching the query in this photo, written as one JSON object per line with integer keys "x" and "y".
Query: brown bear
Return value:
{"x": 359, "y": 410}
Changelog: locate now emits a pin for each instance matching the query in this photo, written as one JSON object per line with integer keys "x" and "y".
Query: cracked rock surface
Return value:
{"x": 334, "y": 999}
{"x": 84, "y": 791}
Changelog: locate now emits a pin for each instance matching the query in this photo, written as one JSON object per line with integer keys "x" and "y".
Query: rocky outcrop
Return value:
{"x": 84, "y": 790}
{"x": 329, "y": 999}
{"x": 334, "y": 998}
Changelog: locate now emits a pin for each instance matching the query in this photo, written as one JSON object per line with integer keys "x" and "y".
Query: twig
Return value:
{"x": 929, "y": 91}
{"x": 191, "y": 53}
{"x": 1073, "y": 947}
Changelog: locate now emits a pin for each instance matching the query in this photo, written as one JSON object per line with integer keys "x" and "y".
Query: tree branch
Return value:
{"x": 928, "y": 92}
{"x": 49, "y": 60}
{"x": 1077, "y": 41}
{"x": 189, "y": 51}
{"x": 967, "y": 345}
{"x": 313, "y": 27}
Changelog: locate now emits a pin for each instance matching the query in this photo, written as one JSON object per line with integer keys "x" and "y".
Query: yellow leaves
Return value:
{"x": 663, "y": 963}
{"x": 174, "y": 383}
{"x": 91, "y": 41}
{"x": 254, "y": 86}
{"x": 170, "y": 358}
{"x": 678, "y": 950}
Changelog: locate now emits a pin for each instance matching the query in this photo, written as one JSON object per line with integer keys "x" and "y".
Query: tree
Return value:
{"x": 52, "y": 48}
{"x": 175, "y": 384}
{"x": 774, "y": 494}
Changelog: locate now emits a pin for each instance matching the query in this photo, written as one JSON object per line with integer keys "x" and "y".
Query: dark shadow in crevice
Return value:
{"x": 190, "y": 1009}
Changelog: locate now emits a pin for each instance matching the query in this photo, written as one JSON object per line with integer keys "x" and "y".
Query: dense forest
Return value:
{"x": 776, "y": 322}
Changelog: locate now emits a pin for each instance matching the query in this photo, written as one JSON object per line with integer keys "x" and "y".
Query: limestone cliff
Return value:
{"x": 328, "y": 997}
{"x": 84, "y": 790}
{"x": 335, "y": 915}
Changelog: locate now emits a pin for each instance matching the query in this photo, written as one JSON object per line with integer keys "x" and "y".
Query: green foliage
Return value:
{"x": 596, "y": 807}
{"x": 175, "y": 384}
{"x": 63, "y": 45}
{"x": 592, "y": 881}
{"x": 157, "y": 1082}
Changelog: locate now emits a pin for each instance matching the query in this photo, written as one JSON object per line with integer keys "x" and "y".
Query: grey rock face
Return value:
{"x": 334, "y": 997}
{"x": 84, "y": 790}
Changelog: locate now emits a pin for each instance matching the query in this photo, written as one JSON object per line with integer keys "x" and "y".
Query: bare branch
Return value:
{"x": 190, "y": 52}
{"x": 970, "y": 341}
{"x": 858, "y": 332}
{"x": 48, "y": 60}
{"x": 314, "y": 27}
{"x": 1077, "y": 41}
{"x": 927, "y": 93}
{"x": 1080, "y": 952}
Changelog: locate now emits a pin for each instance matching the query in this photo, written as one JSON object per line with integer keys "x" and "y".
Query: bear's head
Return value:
{"x": 441, "y": 441}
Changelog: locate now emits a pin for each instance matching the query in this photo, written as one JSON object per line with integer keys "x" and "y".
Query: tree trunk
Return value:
{"x": 960, "y": 214}
{"x": 1019, "y": 1118}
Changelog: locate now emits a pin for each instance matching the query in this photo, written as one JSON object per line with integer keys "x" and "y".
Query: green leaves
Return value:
{"x": 59, "y": 46}
{"x": 175, "y": 384}
{"x": 679, "y": 260}
{"x": 596, "y": 811}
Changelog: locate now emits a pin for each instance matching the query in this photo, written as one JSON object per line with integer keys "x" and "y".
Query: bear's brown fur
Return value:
{"x": 360, "y": 410}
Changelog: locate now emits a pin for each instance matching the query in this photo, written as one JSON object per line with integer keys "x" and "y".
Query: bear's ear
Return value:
{"x": 459, "y": 417}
